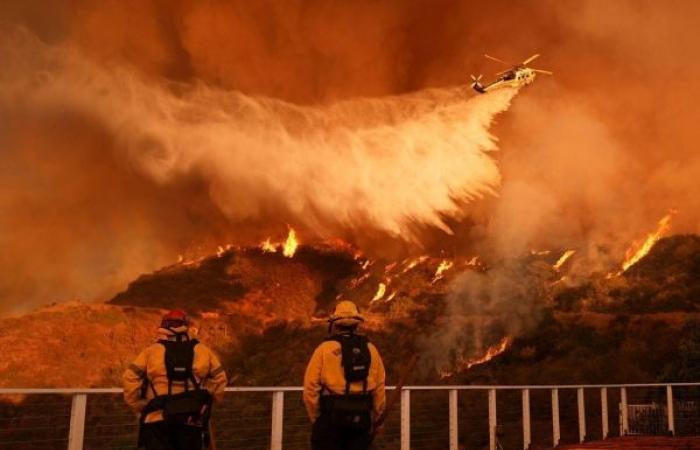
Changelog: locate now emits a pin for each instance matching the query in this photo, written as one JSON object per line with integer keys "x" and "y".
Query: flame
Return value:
{"x": 562, "y": 259}
{"x": 220, "y": 251}
{"x": 491, "y": 353}
{"x": 474, "y": 262}
{"x": 268, "y": 247}
{"x": 444, "y": 266}
{"x": 638, "y": 251}
{"x": 413, "y": 263}
{"x": 290, "y": 245}
{"x": 381, "y": 290}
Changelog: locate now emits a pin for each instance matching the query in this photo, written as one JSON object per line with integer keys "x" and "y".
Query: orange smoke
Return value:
{"x": 208, "y": 117}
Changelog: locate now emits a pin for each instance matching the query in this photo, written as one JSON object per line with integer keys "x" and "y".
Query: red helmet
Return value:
{"x": 175, "y": 319}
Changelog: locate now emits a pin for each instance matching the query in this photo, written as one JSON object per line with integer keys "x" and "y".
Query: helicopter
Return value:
{"x": 518, "y": 75}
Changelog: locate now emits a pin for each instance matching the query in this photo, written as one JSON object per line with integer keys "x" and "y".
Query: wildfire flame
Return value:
{"x": 638, "y": 251}
{"x": 381, "y": 290}
{"x": 413, "y": 263}
{"x": 444, "y": 266}
{"x": 268, "y": 247}
{"x": 291, "y": 244}
{"x": 563, "y": 258}
{"x": 491, "y": 353}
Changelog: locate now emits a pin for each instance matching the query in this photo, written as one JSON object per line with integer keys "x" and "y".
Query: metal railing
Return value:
{"x": 76, "y": 438}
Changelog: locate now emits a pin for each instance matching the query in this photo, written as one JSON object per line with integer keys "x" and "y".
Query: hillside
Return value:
{"x": 263, "y": 312}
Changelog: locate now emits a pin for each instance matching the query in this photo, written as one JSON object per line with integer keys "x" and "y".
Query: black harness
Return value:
{"x": 191, "y": 407}
{"x": 351, "y": 410}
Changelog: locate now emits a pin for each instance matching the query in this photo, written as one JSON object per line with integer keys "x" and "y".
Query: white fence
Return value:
{"x": 79, "y": 405}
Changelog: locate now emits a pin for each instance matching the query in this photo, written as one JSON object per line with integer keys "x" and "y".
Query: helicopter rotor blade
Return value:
{"x": 530, "y": 59}
{"x": 497, "y": 60}
{"x": 503, "y": 73}
{"x": 546, "y": 72}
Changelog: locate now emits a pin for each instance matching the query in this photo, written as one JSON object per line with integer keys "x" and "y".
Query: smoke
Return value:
{"x": 132, "y": 132}
{"x": 481, "y": 309}
{"x": 385, "y": 163}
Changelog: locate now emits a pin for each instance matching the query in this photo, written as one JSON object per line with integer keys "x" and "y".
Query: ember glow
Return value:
{"x": 640, "y": 249}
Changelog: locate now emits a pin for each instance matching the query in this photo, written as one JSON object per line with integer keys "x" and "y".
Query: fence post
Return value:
{"x": 277, "y": 420}
{"x": 454, "y": 424}
{"x": 556, "y": 431}
{"x": 624, "y": 424}
{"x": 77, "y": 422}
{"x": 493, "y": 421}
{"x": 581, "y": 415}
{"x": 405, "y": 419}
{"x": 604, "y": 411}
{"x": 669, "y": 409}
{"x": 527, "y": 439}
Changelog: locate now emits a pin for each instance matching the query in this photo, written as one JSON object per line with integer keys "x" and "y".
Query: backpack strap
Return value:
{"x": 193, "y": 379}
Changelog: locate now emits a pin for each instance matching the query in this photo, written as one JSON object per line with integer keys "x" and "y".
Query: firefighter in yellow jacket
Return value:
{"x": 171, "y": 385}
{"x": 344, "y": 385}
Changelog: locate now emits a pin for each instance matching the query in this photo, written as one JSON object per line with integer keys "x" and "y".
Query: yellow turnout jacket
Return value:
{"x": 325, "y": 373}
{"x": 150, "y": 365}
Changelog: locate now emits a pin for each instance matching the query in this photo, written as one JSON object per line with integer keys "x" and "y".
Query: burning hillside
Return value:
{"x": 460, "y": 314}
{"x": 210, "y": 126}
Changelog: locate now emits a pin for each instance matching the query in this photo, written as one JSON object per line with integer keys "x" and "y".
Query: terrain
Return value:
{"x": 264, "y": 312}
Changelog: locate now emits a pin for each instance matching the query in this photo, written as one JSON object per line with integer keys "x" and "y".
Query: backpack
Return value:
{"x": 351, "y": 411}
{"x": 193, "y": 406}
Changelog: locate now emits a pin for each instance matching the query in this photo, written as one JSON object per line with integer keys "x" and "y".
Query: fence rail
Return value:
{"x": 657, "y": 415}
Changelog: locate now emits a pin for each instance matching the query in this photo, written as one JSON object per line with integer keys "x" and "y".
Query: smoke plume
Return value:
{"x": 482, "y": 309}
{"x": 385, "y": 163}
{"x": 132, "y": 132}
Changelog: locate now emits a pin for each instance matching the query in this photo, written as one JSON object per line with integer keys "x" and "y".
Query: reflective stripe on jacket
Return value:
{"x": 150, "y": 365}
{"x": 325, "y": 370}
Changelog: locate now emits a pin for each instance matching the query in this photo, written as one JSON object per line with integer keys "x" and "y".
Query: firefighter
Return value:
{"x": 171, "y": 385}
{"x": 344, "y": 385}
